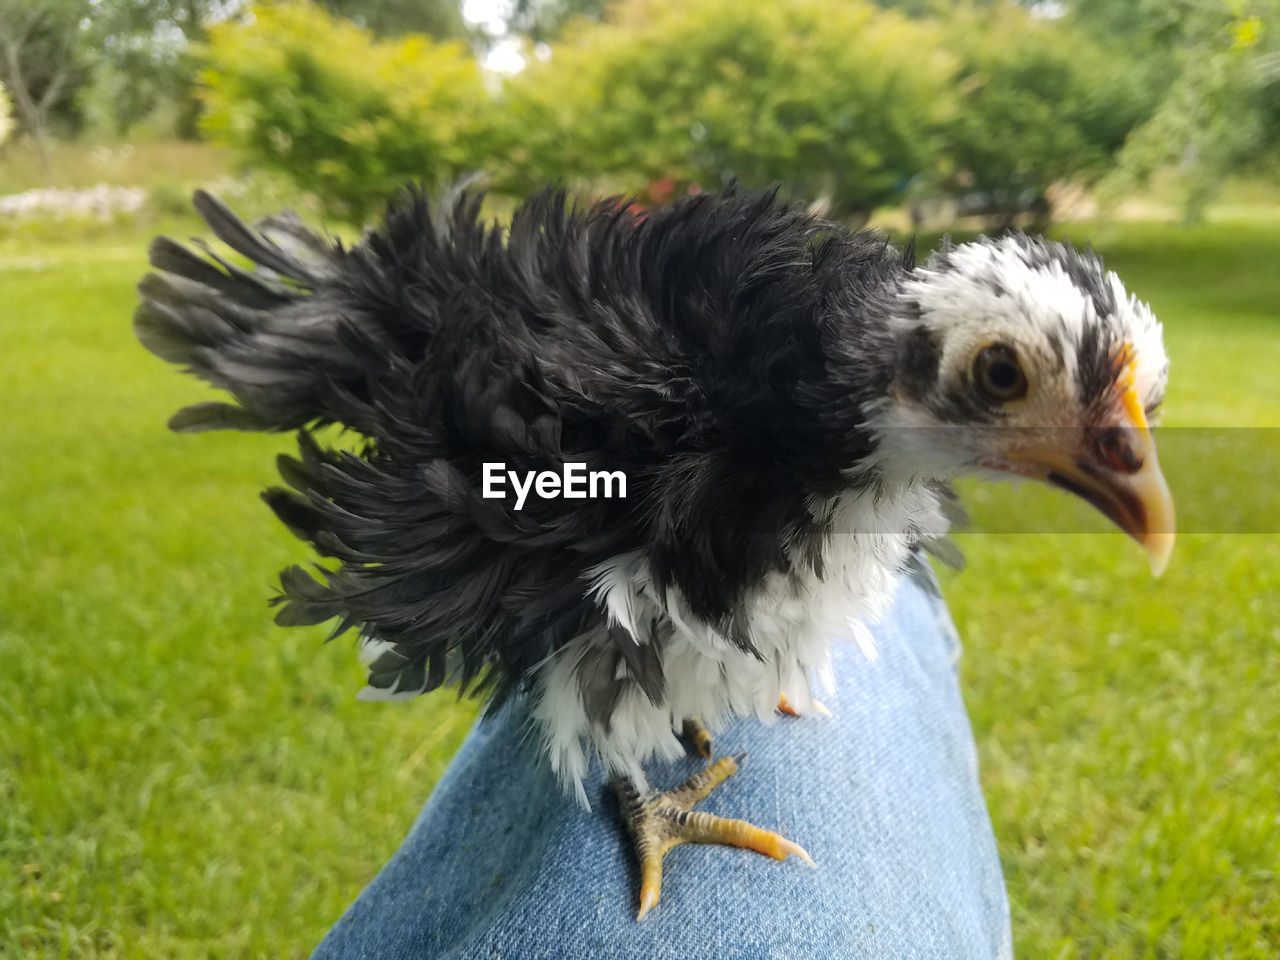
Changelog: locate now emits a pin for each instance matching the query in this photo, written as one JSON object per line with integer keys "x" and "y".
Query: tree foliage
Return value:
{"x": 1219, "y": 109}
{"x": 544, "y": 20}
{"x": 344, "y": 114}
{"x": 853, "y": 102}
{"x": 1039, "y": 101}
{"x": 138, "y": 52}
{"x": 441, "y": 19}
{"x": 840, "y": 101}
{"x": 40, "y": 61}
{"x": 139, "y": 62}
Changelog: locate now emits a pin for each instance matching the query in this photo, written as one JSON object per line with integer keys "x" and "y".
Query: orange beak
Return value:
{"x": 1115, "y": 468}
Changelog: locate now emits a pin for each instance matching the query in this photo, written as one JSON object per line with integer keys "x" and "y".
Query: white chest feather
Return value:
{"x": 792, "y": 619}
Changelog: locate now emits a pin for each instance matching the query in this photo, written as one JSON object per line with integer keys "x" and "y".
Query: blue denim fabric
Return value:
{"x": 884, "y": 795}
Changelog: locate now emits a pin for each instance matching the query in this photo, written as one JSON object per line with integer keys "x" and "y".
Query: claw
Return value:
{"x": 648, "y": 899}
{"x": 784, "y": 706}
{"x": 793, "y": 848}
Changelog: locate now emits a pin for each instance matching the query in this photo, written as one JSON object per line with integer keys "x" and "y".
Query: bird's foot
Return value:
{"x": 660, "y": 821}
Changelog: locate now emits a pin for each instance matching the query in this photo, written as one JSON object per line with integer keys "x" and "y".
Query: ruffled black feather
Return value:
{"x": 720, "y": 352}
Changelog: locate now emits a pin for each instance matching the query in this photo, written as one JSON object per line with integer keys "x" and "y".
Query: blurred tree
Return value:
{"x": 1144, "y": 27}
{"x": 390, "y": 18}
{"x": 38, "y": 60}
{"x": 1220, "y": 104}
{"x": 916, "y": 8}
{"x": 543, "y": 20}
{"x": 341, "y": 113}
{"x": 139, "y": 51}
{"x": 839, "y": 101}
{"x": 1266, "y": 156}
{"x": 848, "y": 102}
{"x": 1039, "y": 101}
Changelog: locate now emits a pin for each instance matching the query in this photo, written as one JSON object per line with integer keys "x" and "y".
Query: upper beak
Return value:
{"x": 1115, "y": 468}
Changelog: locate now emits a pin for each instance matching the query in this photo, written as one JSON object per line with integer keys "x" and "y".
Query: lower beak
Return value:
{"x": 1117, "y": 471}
{"x": 1139, "y": 503}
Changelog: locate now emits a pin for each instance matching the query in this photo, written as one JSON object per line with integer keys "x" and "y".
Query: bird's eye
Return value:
{"x": 997, "y": 375}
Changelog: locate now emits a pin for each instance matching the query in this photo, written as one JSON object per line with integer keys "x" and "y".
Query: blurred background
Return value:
{"x": 180, "y": 778}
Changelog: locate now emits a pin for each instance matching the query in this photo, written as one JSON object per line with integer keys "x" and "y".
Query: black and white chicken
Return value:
{"x": 786, "y": 401}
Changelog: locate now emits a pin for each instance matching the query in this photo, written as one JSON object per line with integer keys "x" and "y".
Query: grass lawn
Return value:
{"x": 180, "y": 778}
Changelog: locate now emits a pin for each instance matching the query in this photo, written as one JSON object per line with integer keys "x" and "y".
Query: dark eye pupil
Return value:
{"x": 1002, "y": 376}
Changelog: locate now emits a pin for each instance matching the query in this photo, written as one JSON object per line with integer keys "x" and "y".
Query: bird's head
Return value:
{"x": 1023, "y": 357}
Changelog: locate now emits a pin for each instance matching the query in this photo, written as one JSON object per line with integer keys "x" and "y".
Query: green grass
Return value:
{"x": 180, "y": 778}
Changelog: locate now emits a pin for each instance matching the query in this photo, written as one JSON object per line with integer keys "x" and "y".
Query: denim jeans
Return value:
{"x": 883, "y": 794}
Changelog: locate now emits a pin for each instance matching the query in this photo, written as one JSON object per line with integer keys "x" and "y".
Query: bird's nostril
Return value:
{"x": 1114, "y": 448}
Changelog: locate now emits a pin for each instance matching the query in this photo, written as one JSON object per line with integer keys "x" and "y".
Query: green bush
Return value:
{"x": 847, "y": 102}
{"x": 342, "y": 114}
{"x": 1217, "y": 115}
{"x": 835, "y": 100}
{"x": 1039, "y": 101}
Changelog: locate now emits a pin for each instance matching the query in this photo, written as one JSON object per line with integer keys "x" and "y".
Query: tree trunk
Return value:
{"x": 30, "y": 111}
{"x": 188, "y": 120}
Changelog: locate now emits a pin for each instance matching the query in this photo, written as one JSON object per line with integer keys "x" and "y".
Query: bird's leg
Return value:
{"x": 659, "y": 821}
{"x": 698, "y": 736}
